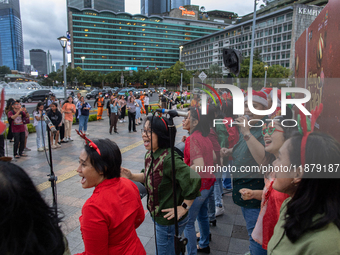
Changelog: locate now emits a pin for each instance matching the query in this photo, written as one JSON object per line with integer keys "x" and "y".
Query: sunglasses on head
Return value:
{"x": 269, "y": 130}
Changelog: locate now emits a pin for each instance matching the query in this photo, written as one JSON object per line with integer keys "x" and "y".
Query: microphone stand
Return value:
{"x": 180, "y": 242}
{"x": 52, "y": 178}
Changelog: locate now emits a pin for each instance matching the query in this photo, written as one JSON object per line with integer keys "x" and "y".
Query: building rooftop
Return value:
{"x": 290, "y": 8}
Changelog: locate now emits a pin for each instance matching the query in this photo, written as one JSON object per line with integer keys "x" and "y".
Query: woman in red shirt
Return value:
{"x": 199, "y": 155}
{"x": 114, "y": 211}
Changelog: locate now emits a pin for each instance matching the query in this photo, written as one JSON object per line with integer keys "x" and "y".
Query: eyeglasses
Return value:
{"x": 270, "y": 130}
{"x": 147, "y": 132}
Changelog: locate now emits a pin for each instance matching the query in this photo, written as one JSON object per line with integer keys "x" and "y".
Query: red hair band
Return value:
{"x": 306, "y": 127}
{"x": 88, "y": 141}
{"x": 198, "y": 114}
{"x": 164, "y": 123}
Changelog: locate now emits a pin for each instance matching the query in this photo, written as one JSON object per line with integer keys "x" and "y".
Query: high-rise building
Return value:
{"x": 115, "y": 42}
{"x": 275, "y": 35}
{"x": 11, "y": 43}
{"x": 38, "y": 60}
{"x": 149, "y": 7}
{"x": 49, "y": 62}
{"x": 99, "y": 5}
{"x": 58, "y": 66}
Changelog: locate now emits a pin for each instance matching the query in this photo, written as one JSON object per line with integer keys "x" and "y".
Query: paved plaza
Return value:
{"x": 228, "y": 237}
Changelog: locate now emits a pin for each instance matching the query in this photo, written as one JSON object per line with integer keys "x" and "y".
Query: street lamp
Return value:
{"x": 181, "y": 78}
{"x": 252, "y": 45}
{"x": 82, "y": 60}
{"x": 265, "y": 75}
{"x": 180, "y": 53}
{"x": 63, "y": 42}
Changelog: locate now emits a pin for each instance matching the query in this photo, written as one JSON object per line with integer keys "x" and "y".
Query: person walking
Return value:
{"x": 40, "y": 126}
{"x": 114, "y": 106}
{"x": 68, "y": 109}
{"x": 146, "y": 104}
{"x": 16, "y": 116}
{"x": 55, "y": 116}
{"x": 76, "y": 100}
{"x": 108, "y": 109}
{"x": 7, "y": 110}
{"x": 84, "y": 113}
{"x": 122, "y": 103}
{"x": 138, "y": 110}
{"x": 131, "y": 106}
{"x": 100, "y": 103}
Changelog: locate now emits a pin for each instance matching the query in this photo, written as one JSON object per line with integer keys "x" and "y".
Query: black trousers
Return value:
{"x": 122, "y": 110}
{"x": 147, "y": 109}
{"x": 132, "y": 117}
{"x": 10, "y": 134}
{"x": 62, "y": 132}
{"x": 2, "y": 145}
{"x": 77, "y": 120}
{"x": 19, "y": 138}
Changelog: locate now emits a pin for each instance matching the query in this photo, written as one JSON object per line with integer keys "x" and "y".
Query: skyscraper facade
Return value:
{"x": 150, "y": 7}
{"x": 38, "y": 60}
{"x": 11, "y": 43}
{"x": 99, "y": 5}
{"x": 49, "y": 62}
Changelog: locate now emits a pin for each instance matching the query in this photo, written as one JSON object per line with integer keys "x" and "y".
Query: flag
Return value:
{"x": 147, "y": 68}
{"x": 156, "y": 67}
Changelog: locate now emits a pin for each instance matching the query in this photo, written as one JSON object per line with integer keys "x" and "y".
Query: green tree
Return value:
{"x": 215, "y": 71}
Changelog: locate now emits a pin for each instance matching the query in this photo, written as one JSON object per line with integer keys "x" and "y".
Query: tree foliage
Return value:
{"x": 171, "y": 76}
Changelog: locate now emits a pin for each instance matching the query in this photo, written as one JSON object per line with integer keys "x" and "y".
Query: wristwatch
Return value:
{"x": 185, "y": 206}
{"x": 247, "y": 137}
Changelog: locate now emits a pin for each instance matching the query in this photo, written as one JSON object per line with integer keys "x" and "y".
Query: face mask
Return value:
{"x": 101, "y": 95}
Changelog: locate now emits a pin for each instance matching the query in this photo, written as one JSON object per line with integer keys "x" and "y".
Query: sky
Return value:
{"x": 43, "y": 21}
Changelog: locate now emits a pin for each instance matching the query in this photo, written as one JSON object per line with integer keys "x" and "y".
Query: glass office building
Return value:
{"x": 111, "y": 5}
{"x": 149, "y": 7}
{"x": 117, "y": 41}
{"x": 11, "y": 43}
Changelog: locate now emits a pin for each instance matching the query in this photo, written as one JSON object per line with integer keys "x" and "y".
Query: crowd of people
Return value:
{"x": 286, "y": 212}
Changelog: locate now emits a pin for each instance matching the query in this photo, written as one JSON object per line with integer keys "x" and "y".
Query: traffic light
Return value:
{"x": 232, "y": 60}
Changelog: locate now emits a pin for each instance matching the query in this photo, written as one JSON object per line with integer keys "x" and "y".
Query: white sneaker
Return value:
{"x": 65, "y": 139}
{"x": 70, "y": 139}
{"x": 124, "y": 120}
{"x": 54, "y": 147}
{"x": 219, "y": 211}
{"x": 87, "y": 133}
{"x": 121, "y": 121}
{"x": 41, "y": 149}
{"x": 46, "y": 148}
{"x": 58, "y": 145}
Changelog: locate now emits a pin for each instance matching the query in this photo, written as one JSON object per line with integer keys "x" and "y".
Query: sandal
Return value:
{"x": 23, "y": 155}
{"x": 17, "y": 156}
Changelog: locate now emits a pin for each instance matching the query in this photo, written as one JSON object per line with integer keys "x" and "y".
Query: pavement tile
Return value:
{"x": 238, "y": 246}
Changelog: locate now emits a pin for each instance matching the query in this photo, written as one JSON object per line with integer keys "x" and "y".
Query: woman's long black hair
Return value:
{"x": 27, "y": 224}
{"x": 203, "y": 123}
{"x": 314, "y": 195}
{"x": 161, "y": 130}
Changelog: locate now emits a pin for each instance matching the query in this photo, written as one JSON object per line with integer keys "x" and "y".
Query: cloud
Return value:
{"x": 43, "y": 21}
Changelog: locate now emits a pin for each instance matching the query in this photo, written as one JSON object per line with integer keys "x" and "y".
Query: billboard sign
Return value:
{"x": 317, "y": 65}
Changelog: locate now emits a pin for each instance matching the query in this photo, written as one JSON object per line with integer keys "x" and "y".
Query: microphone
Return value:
{"x": 49, "y": 124}
{"x": 173, "y": 113}
{"x": 237, "y": 123}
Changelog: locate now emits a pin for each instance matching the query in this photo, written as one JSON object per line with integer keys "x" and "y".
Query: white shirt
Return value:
{"x": 146, "y": 100}
{"x": 36, "y": 114}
